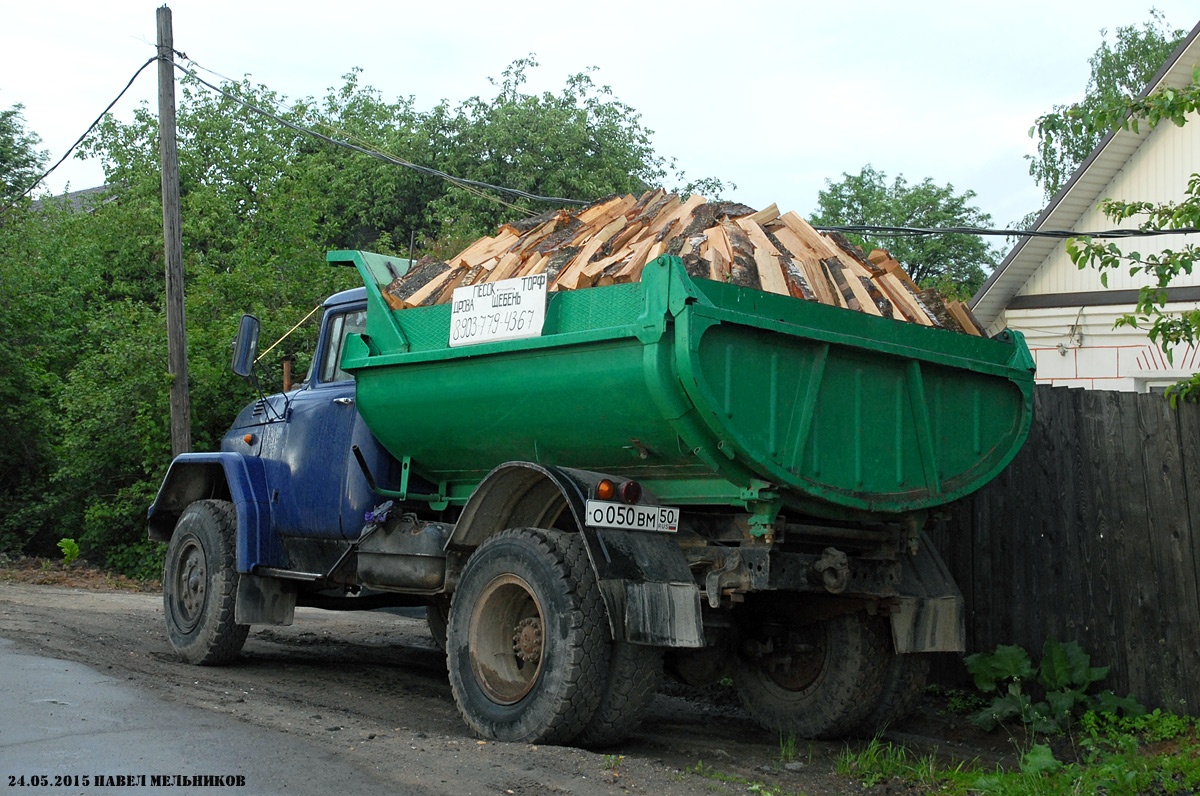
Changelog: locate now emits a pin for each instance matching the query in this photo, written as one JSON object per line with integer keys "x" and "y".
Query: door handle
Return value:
{"x": 344, "y": 401}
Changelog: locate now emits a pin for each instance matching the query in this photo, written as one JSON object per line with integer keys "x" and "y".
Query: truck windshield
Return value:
{"x": 341, "y": 325}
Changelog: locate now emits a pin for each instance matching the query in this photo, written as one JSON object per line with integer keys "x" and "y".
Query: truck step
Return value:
{"x": 289, "y": 574}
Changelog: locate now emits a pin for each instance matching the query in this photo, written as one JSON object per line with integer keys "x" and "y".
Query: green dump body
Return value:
{"x": 706, "y": 393}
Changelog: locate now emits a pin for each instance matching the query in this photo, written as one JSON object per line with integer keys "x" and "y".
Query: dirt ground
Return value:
{"x": 372, "y": 687}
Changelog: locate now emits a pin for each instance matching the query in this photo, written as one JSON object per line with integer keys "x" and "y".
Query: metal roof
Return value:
{"x": 1080, "y": 194}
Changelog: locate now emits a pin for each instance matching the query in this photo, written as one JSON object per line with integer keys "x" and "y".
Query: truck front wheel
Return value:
{"x": 527, "y": 637}
{"x": 817, "y": 680}
{"x": 200, "y": 583}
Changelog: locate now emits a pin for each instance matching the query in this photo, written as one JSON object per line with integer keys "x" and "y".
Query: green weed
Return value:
{"x": 1062, "y": 680}
{"x": 612, "y": 762}
{"x": 70, "y": 551}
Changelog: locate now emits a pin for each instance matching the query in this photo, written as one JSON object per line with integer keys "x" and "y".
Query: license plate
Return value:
{"x": 601, "y": 514}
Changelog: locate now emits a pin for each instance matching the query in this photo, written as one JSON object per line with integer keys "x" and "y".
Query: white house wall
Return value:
{"x": 1157, "y": 172}
{"x": 1078, "y": 347}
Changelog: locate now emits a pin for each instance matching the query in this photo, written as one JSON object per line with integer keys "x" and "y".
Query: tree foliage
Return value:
{"x": 20, "y": 159}
{"x": 954, "y": 264}
{"x": 1167, "y": 329}
{"x": 84, "y": 386}
{"x": 1120, "y": 72}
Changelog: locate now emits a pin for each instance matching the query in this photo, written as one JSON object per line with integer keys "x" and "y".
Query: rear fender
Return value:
{"x": 223, "y": 476}
{"x": 648, "y": 589}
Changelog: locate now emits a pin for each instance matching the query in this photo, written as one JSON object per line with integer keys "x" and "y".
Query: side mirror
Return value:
{"x": 245, "y": 346}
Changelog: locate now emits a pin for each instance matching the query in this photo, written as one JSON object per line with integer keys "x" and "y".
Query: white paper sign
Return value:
{"x": 493, "y": 311}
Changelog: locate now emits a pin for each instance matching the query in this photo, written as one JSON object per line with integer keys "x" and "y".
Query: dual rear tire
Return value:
{"x": 530, "y": 656}
{"x": 829, "y": 678}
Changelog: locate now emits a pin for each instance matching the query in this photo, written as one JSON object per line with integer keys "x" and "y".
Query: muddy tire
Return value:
{"x": 903, "y": 685}
{"x": 634, "y": 674}
{"x": 821, "y": 683}
{"x": 527, "y": 638}
{"x": 200, "y": 582}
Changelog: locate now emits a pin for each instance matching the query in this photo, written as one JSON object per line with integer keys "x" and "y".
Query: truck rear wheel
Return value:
{"x": 818, "y": 680}
{"x": 903, "y": 685}
{"x": 437, "y": 616}
{"x": 200, "y": 582}
{"x": 634, "y": 674}
{"x": 526, "y": 638}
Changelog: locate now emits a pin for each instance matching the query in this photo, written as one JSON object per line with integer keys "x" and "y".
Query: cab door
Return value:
{"x": 311, "y": 454}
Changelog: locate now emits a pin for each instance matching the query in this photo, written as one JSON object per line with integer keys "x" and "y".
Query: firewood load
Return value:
{"x": 610, "y": 242}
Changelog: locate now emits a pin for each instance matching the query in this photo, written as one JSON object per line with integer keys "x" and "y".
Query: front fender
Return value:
{"x": 222, "y": 476}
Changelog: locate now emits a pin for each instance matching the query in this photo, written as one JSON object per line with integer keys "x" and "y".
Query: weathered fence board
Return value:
{"x": 1093, "y": 535}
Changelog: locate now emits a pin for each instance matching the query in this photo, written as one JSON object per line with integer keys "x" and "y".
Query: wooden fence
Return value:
{"x": 1092, "y": 534}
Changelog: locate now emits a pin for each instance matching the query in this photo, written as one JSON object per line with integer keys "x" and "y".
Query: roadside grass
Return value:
{"x": 751, "y": 786}
{"x": 1154, "y": 754}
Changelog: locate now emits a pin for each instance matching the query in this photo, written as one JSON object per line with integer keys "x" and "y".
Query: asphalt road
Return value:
{"x": 83, "y": 732}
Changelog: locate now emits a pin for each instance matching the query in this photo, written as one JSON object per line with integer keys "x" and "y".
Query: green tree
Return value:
{"x": 20, "y": 159}
{"x": 580, "y": 144}
{"x": 27, "y": 340}
{"x": 954, "y": 264}
{"x": 1163, "y": 266}
{"x": 1120, "y": 71}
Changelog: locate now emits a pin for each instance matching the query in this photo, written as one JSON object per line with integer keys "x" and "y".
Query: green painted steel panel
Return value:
{"x": 706, "y": 392}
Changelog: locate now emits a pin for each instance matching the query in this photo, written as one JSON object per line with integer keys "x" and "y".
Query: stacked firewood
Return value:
{"x": 610, "y": 242}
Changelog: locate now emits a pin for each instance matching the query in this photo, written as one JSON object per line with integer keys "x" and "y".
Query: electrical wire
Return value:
{"x": 361, "y": 142}
{"x": 85, "y": 134}
{"x": 459, "y": 181}
{"x": 1021, "y": 233}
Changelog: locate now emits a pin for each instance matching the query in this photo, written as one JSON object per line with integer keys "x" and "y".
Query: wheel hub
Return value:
{"x": 506, "y": 641}
{"x": 191, "y": 585}
{"x": 795, "y": 661}
{"x": 527, "y": 639}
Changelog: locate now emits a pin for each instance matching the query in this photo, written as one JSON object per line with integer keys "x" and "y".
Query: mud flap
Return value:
{"x": 264, "y": 601}
{"x": 932, "y": 614}
{"x": 646, "y": 582}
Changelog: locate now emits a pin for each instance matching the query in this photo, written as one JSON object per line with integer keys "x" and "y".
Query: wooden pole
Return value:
{"x": 181, "y": 409}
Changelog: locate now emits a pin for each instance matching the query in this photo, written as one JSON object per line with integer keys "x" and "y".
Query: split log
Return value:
{"x": 966, "y": 319}
{"x": 743, "y": 269}
{"x": 399, "y": 292}
{"x": 935, "y": 305}
{"x": 766, "y": 258}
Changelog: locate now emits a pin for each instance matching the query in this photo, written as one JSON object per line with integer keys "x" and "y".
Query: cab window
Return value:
{"x": 341, "y": 325}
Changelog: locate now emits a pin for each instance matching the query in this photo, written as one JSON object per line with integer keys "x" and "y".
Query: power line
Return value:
{"x": 913, "y": 232}
{"x": 350, "y": 137}
{"x": 86, "y": 133}
{"x": 381, "y": 155}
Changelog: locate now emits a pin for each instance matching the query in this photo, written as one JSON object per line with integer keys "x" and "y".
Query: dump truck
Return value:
{"x": 588, "y": 488}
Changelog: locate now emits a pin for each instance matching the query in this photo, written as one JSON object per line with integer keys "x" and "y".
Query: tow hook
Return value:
{"x": 832, "y": 570}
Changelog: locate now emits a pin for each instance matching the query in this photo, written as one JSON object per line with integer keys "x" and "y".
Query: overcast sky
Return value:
{"x": 776, "y": 97}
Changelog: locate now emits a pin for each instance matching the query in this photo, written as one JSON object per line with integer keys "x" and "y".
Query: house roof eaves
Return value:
{"x": 1071, "y": 202}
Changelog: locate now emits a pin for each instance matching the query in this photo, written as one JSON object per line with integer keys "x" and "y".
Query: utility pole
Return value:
{"x": 181, "y": 405}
